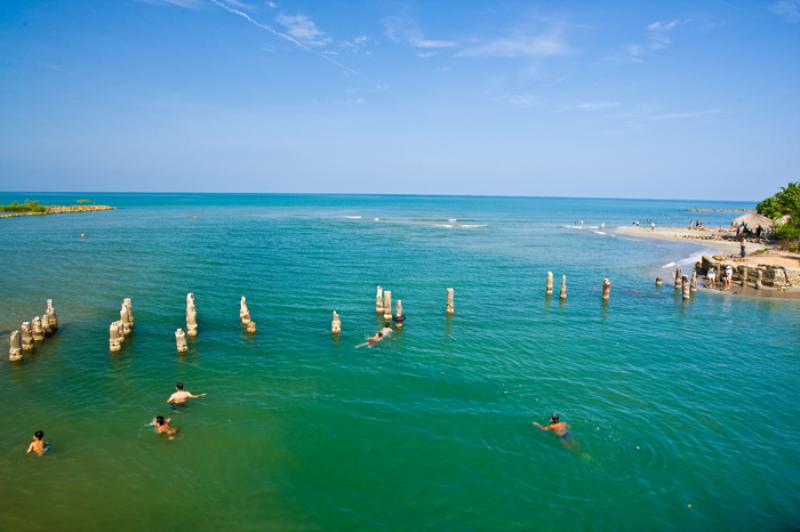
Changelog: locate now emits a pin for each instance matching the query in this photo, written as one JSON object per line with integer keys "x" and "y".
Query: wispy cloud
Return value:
{"x": 520, "y": 100}
{"x": 186, "y": 4}
{"x": 658, "y": 38}
{"x": 303, "y": 29}
{"x": 272, "y": 5}
{"x": 591, "y": 106}
{"x": 547, "y": 44}
{"x": 789, "y": 10}
{"x": 402, "y": 28}
{"x": 300, "y": 43}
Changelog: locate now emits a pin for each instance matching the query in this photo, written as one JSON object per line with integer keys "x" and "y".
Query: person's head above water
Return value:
{"x": 380, "y": 335}
{"x": 160, "y": 420}
{"x": 179, "y": 386}
{"x": 38, "y": 434}
{"x": 554, "y": 418}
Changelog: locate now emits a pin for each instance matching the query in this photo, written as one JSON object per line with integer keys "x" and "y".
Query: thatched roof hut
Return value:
{"x": 753, "y": 221}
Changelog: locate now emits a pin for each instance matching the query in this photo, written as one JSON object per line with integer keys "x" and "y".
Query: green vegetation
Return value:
{"x": 785, "y": 201}
{"x": 28, "y": 206}
{"x": 84, "y": 201}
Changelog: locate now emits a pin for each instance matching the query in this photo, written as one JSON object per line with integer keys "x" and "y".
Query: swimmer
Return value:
{"x": 163, "y": 427}
{"x": 558, "y": 427}
{"x": 372, "y": 340}
{"x": 387, "y": 329}
{"x": 181, "y": 396}
{"x": 38, "y": 445}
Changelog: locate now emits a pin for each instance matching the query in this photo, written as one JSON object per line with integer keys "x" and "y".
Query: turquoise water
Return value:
{"x": 673, "y": 404}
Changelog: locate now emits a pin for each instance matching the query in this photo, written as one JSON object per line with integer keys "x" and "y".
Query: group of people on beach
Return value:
{"x": 180, "y": 397}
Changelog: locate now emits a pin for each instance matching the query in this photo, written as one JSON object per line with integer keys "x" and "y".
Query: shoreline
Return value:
{"x": 59, "y": 209}
{"x": 759, "y": 254}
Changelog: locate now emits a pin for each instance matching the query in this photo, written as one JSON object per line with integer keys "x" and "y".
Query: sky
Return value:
{"x": 552, "y": 98}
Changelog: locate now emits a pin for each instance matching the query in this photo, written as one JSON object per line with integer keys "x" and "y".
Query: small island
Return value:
{"x": 34, "y": 208}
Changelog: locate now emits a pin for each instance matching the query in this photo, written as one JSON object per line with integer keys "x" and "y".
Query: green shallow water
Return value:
{"x": 672, "y": 403}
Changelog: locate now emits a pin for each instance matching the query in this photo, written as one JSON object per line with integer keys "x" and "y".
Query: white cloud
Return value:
{"x": 591, "y": 106}
{"x": 360, "y": 39}
{"x": 433, "y": 43}
{"x": 788, "y": 9}
{"x": 635, "y": 52}
{"x": 658, "y": 33}
{"x": 188, "y": 4}
{"x": 303, "y": 29}
{"x": 426, "y": 55}
{"x": 401, "y": 28}
{"x": 272, "y": 5}
{"x": 520, "y": 100}
{"x": 521, "y": 45}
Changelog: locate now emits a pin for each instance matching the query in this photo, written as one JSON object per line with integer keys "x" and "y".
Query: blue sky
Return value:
{"x": 655, "y": 99}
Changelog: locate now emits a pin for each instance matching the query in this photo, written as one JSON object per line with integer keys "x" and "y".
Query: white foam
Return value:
{"x": 352, "y": 217}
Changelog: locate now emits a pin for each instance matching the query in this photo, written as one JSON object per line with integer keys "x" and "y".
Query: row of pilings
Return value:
{"x": 30, "y": 333}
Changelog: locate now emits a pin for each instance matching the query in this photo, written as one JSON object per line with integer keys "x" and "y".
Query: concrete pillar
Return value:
{"x": 387, "y": 305}
{"x": 251, "y": 327}
{"x": 759, "y": 279}
{"x": 606, "y": 289}
{"x": 678, "y": 276}
{"x": 52, "y": 318}
{"x": 379, "y": 301}
{"x": 562, "y": 294}
{"x": 36, "y": 329}
{"x": 244, "y": 312}
{"x": 191, "y": 316}
{"x": 451, "y": 302}
{"x": 14, "y": 346}
{"x": 399, "y": 318}
{"x": 180, "y": 341}
{"x": 686, "y": 287}
{"x": 336, "y": 324}
{"x": 693, "y": 282}
{"x": 743, "y": 276}
{"x": 129, "y": 305}
{"x": 46, "y": 325}
{"x": 27, "y": 339}
{"x": 115, "y": 337}
{"x": 125, "y": 319}
{"x": 659, "y": 281}
{"x": 548, "y": 287}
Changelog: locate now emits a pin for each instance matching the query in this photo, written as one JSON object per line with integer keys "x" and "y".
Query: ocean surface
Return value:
{"x": 686, "y": 414}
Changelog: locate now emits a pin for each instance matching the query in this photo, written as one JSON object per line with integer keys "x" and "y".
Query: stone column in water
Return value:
{"x": 36, "y": 329}
{"x": 46, "y": 325}
{"x": 14, "y": 347}
{"x": 659, "y": 281}
{"x": 244, "y": 312}
{"x": 129, "y": 305}
{"x": 743, "y": 276}
{"x": 191, "y": 316}
{"x": 125, "y": 319}
{"x": 677, "y": 278}
{"x": 336, "y": 324}
{"x": 548, "y": 287}
{"x": 693, "y": 282}
{"x": 563, "y": 292}
{"x": 686, "y": 287}
{"x": 379, "y": 301}
{"x": 606, "y": 289}
{"x": 398, "y": 315}
{"x": 27, "y": 339}
{"x": 450, "y": 309}
{"x": 52, "y": 318}
{"x": 180, "y": 341}
{"x": 387, "y": 305}
{"x": 115, "y": 337}
{"x": 759, "y": 279}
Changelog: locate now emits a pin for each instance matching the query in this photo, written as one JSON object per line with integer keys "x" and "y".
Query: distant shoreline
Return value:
{"x": 59, "y": 209}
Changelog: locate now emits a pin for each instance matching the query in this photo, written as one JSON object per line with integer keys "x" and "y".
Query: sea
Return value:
{"x": 684, "y": 415}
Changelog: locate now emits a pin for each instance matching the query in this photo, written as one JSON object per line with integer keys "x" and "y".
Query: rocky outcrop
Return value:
{"x": 771, "y": 275}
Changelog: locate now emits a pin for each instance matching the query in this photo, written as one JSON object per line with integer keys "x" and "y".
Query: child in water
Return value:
{"x": 163, "y": 427}
{"x": 38, "y": 445}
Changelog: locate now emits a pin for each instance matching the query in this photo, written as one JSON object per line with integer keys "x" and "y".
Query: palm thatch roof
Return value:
{"x": 752, "y": 221}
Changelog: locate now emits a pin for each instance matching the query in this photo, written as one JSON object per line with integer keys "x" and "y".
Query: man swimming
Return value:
{"x": 163, "y": 426}
{"x": 181, "y": 396}
{"x": 557, "y": 427}
{"x": 372, "y": 340}
{"x": 38, "y": 445}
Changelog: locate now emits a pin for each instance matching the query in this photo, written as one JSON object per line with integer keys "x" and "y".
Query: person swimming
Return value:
{"x": 372, "y": 340}
{"x": 181, "y": 396}
{"x": 557, "y": 427}
{"x": 163, "y": 426}
{"x": 38, "y": 445}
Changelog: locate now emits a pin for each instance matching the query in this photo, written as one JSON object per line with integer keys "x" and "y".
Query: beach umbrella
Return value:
{"x": 752, "y": 221}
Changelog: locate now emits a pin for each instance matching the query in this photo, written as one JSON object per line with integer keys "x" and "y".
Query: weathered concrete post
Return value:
{"x": 36, "y": 329}
{"x": 244, "y": 312}
{"x": 379, "y": 301}
{"x": 606, "y": 289}
{"x": 180, "y": 341}
{"x": 562, "y": 294}
{"x": 125, "y": 319}
{"x": 743, "y": 276}
{"x": 759, "y": 279}
{"x": 548, "y": 287}
{"x": 250, "y": 327}
{"x": 387, "y": 305}
{"x": 191, "y": 316}
{"x": 398, "y": 315}
{"x": 659, "y": 281}
{"x": 129, "y": 305}
{"x": 46, "y": 325}
{"x": 336, "y": 324}
{"x": 115, "y": 336}
{"x": 52, "y": 318}
{"x": 14, "y": 347}
{"x": 450, "y": 309}
{"x": 686, "y": 287}
{"x": 678, "y": 275}
{"x": 27, "y": 339}
{"x": 693, "y": 282}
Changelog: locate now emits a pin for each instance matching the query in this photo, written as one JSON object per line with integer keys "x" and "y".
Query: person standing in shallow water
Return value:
{"x": 38, "y": 445}
{"x": 181, "y": 396}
